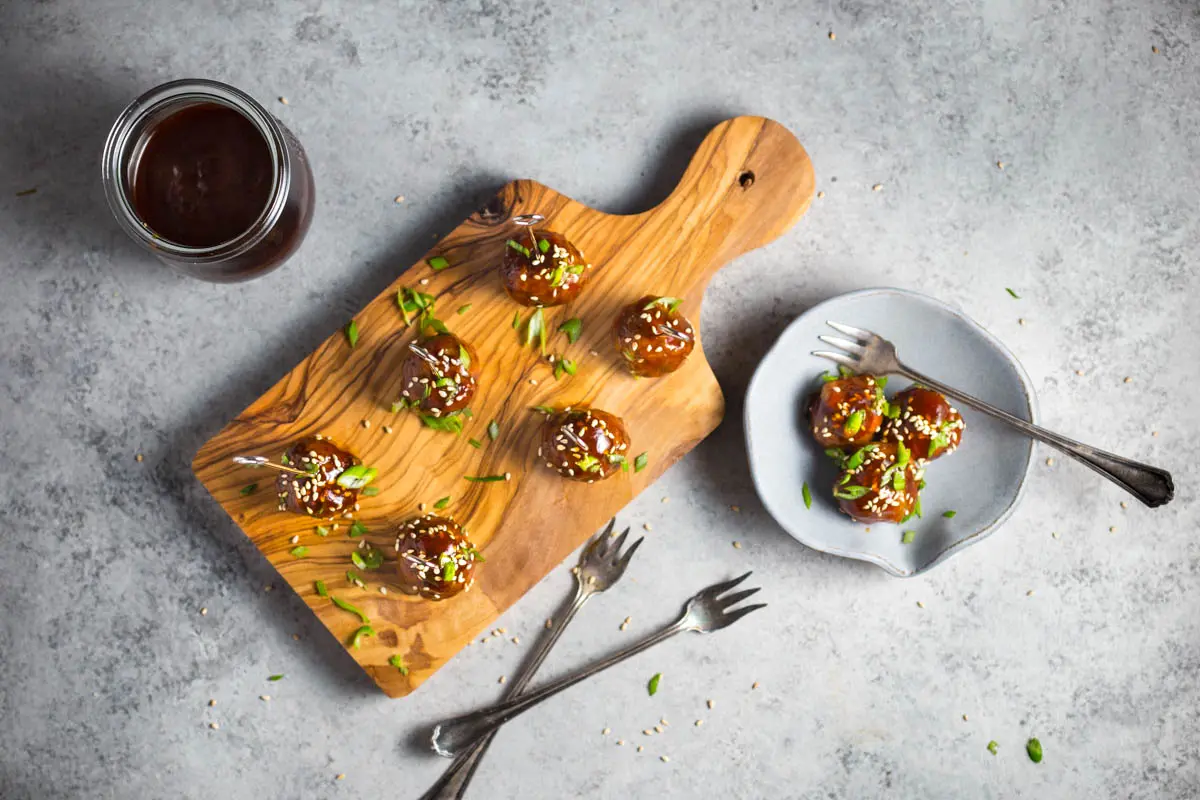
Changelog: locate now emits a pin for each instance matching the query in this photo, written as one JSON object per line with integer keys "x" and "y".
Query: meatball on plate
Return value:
{"x": 972, "y": 481}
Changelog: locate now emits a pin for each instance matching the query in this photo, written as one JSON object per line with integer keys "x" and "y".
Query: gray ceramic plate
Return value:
{"x": 981, "y": 481}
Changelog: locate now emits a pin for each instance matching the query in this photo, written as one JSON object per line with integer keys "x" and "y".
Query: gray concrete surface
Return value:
{"x": 106, "y": 665}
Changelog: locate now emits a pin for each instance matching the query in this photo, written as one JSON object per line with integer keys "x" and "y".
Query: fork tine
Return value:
{"x": 624, "y": 562}
{"x": 738, "y": 597}
{"x": 609, "y": 527}
{"x": 837, "y": 358}
{"x": 733, "y": 616}
{"x": 850, "y": 330}
{"x": 616, "y": 544}
{"x": 718, "y": 588}
{"x": 844, "y": 344}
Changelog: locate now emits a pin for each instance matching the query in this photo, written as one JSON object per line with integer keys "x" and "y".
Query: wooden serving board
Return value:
{"x": 749, "y": 182}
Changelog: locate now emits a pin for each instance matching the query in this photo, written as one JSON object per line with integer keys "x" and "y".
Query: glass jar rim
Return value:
{"x": 123, "y": 140}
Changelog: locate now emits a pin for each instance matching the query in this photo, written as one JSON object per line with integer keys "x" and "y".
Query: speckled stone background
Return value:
{"x": 107, "y": 667}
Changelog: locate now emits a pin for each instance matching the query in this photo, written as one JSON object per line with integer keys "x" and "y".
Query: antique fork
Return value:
{"x": 871, "y": 354}
{"x": 709, "y": 610}
{"x": 601, "y": 564}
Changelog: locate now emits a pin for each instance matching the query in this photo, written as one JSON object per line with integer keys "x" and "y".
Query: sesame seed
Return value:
{"x": 1079, "y": 372}
{"x": 820, "y": 195}
{"x": 666, "y": 500}
{"x": 212, "y": 703}
{"x": 606, "y": 732}
{"x": 877, "y": 187}
{"x": 658, "y": 729}
{"x": 620, "y": 742}
{"x": 549, "y": 623}
{"x": 387, "y": 428}
{"x": 1112, "y": 529}
{"x": 264, "y": 697}
{"x": 699, "y": 722}
{"x": 341, "y": 776}
{"x": 647, "y": 526}
{"x": 503, "y": 678}
{"x": 647, "y": 732}
{"x": 832, "y": 36}
{"x": 640, "y": 748}
{"x": 754, "y": 685}
{"x": 383, "y": 590}
{"x": 283, "y": 100}
{"x": 712, "y": 703}
{"x": 420, "y": 507}
{"x": 366, "y": 423}
{"x": 1049, "y": 462}
{"x": 1154, "y": 50}
{"x": 204, "y": 611}
{"x": 1128, "y": 379}
{"x": 735, "y": 509}
{"x": 516, "y": 640}
{"x": 424, "y": 281}
{"x": 501, "y": 630}
{"x": 214, "y": 726}
{"x": 664, "y": 758}
{"x": 399, "y": 199}
{"x": 1054, "y": 534}
{"x": 1154, "y": 433}
{"x": 999, "y": 165}
{"x": 964, "y": 717}
{"x": 138, "y": 457}
{"x": 1021, "y": 321}
{"x": 533, "y": 381}
{"x": 508, "y": 476}
{"x": 294, "y": 539}
{"x": 1123, "y": 505}
{"x": 663, "y": 721}
{"x": 920, "y": 604}
{"x": 1029, "y": 593}
{"x": 737, "y": 545}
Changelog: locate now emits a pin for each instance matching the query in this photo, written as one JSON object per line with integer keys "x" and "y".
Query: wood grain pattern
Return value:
{"x": 749, "y": 182}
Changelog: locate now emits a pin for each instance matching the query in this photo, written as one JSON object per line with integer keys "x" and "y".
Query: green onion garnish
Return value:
{"x": 520, "y": 248}
{"x": 299, "y": 552}
{"x": 440, "y": 504}
{"x": 398, "y": 662}
{"x": 437, "y": 263}
{"x": 352, "y": 332}
{"x": 357, "y": 529}
{"x": 360, "y": 634}
{"x": 572, "y": 328}
{"x": 854, "y": 423}
{"x": 493, "y": 430}
{"x": 949, "y": 514}
{"x": 321, "y": 590}
{"x": 356, "y": 476}
{"x": 463, "y": 309}
{"x": 652, "y": 686}
{"x": 640, "y": 462}
{"x": 907, "y": 537}
{"x": 484, "y": 478}
{"x": 250, "y": 489}
{"x": 344, "y": 606}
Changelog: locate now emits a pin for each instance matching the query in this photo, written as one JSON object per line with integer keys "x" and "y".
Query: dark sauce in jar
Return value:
{"x": 204, "y": 176}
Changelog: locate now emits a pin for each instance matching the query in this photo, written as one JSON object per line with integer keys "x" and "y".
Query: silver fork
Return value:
{"x": 873, "y": 355}
{"x": 601, "y": 564}
{"x": 709, "y": 610}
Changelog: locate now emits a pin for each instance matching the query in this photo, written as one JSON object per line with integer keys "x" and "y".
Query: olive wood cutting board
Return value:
{"x": 749, "y": 182}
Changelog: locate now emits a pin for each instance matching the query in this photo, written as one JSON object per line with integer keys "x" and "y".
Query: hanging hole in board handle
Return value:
{"x": 746, "y": 179}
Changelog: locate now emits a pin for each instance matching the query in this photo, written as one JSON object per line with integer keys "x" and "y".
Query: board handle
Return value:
{"x": 748, "y": 183}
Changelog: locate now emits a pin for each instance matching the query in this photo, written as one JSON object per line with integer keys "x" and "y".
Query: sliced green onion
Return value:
{"x": 806, "y": 494}
{"x": 360, "y": 634}
{"x": 440, "y": 504}
{"x": 321, "y": 590}
{"x": 437, "y": 263}
{"x": 484, "y": 478}
{"x": 652, "y": 686}
{"x": 357, "y": 529}
{"x": 640, "y": 462}
{"x": 249, "y": 489}
{"x": 299, "y": 552}
{"x": 345, "y": 606}
{"x": 352, "y": 333}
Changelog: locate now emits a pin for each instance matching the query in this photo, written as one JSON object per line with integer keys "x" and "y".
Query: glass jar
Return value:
{"x": 268, "y": 240}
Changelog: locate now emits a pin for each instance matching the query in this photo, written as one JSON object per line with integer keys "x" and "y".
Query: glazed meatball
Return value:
{"x": 928, "y": 425}
{"x": 847, "y": 412}
{"x": 584, "y": 444}
{"x": 439, "y": 375}
{"x": 879, "y": 483}
{"x": 653, "y": 337}
{"x": 541, "y": 268}
{"x": 319, "y": 494}
{"x": 434, "y": 558}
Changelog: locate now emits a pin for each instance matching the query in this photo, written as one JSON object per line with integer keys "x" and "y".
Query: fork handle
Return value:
{"x": 456, "y": 735}
{"x": 1151, "y": 485}
{"x": 454, "y": 781}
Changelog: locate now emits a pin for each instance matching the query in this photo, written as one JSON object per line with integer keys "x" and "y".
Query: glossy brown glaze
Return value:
{"x": 584, "y": 444}
{"x": 536, "y": 274}
{"x": 439, "y": 374}
{"x": 653, "y": 337}
{"x": 319, "y": 494}
{"x": 927, "y": 423}
{"x": 203, "y": 177}
{"x": 891, "y": 487}
{"x": 847, "y": 412}
{"x": 434, "y": 558}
